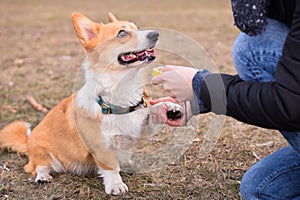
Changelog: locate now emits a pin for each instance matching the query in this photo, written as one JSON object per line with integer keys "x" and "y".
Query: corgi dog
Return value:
{"x": 94, "y": 129}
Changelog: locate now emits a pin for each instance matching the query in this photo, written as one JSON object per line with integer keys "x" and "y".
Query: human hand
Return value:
{"x": 160, "y": 113}
{"x": 177, "y": 81}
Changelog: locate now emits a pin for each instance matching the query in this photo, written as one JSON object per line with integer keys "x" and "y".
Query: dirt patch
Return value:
{"x": 40, "y": 56}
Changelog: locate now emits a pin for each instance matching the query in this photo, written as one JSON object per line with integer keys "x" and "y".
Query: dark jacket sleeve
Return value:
{"x": 274, "y": 105}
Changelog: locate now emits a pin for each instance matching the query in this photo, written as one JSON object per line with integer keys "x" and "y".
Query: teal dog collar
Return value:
{"x": 113, "y": 109}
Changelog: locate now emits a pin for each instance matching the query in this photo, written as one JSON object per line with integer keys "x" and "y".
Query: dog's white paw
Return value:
{"x": 116, "y": 188}
{"x": 113, "y": 182}
{"x": 43, "y": 175}
{"x": 174, "y": 111}
{"x": 171, "y": 107}
{"x": 46, "y": 178}
{"x": 174, "y": 107}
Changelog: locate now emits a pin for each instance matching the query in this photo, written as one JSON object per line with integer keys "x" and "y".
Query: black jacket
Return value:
{"x": 274, "y": 105}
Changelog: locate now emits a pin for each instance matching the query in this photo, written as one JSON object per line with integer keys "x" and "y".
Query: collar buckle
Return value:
{"x": 144, "y": 103}
{"x": 105, "y": 108}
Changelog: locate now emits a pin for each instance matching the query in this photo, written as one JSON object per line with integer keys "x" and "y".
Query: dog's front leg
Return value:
{"x": 109, "y": 170}
{"x": 112, "y": 181}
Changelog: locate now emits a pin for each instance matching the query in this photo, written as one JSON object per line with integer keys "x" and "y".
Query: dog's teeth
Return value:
{"x": 132, "y": 55}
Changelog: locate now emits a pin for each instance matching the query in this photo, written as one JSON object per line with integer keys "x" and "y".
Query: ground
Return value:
{"x": 40, "y": 56}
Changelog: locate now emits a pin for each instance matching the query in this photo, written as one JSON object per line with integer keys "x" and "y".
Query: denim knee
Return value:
{"x": 272, "y": 177}
{"x": 255, "y": 58}
{"x": 248, "y": 187}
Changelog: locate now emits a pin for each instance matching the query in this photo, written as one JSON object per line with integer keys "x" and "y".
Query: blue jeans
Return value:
{"x": 277, "y": 176}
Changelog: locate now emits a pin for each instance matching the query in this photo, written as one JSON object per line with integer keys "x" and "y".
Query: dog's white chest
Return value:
{"x": 130, "y": 124}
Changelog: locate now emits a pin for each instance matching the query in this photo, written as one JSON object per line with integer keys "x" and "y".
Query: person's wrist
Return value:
{"x": 197, "y": 82}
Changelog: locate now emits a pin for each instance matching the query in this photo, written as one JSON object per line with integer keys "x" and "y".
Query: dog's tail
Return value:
{"x": 13, "y": 137}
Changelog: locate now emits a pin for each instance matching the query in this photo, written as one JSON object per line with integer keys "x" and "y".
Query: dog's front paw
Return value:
{"x": 174, "y": 111}
{"x": 116, "y": 188}
{"x": 170, "y": 106}
{"x": 113, "y": 182}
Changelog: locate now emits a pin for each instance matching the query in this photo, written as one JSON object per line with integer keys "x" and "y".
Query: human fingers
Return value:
{"x": 157, "y": 80}
{"x": 177, "y": 122}
{"x": 163, "y": 99}
{"x": 166, "y": 86}
{"x": 160, "y": 116}
{"x": 172, "y": 67}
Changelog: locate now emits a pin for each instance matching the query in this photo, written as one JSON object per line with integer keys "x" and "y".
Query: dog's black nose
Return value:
{"x": 153, "y": 35}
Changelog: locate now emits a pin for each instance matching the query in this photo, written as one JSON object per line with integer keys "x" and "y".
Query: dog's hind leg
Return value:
{"x": 39, "y": 164}
{"x": 43, "y": 174}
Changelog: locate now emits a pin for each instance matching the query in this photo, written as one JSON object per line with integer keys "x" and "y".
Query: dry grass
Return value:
{"x": 40, "y": 56}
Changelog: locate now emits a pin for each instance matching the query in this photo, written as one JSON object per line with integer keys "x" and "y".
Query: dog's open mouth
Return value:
{"x": 143, "y": 56}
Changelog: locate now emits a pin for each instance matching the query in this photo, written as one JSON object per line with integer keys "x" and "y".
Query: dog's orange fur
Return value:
{"x": 13, "y": 137}
{"x": 98, "y": 32}
{"x": 59, "y": 142}
{"x": 62, "y": 140}
{"x": 58, "y": 139}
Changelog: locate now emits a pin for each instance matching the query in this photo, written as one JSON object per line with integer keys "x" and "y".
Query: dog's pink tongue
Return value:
{"x": 141, "y": 53}
{"x": 151, "y": 52}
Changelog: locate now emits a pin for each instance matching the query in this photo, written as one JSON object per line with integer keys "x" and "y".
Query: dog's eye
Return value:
{"x": 122, "y": 34}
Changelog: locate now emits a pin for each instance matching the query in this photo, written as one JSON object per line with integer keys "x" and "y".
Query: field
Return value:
{"x": 41, "y": 57}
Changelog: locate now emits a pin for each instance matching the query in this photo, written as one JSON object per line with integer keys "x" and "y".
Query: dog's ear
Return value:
{"x": 87, "y": 31}
{"x": 112, "y": 18}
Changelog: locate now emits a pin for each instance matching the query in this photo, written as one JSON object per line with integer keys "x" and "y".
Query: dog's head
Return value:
{"x": 119, "y": 41}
